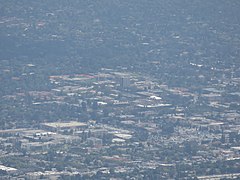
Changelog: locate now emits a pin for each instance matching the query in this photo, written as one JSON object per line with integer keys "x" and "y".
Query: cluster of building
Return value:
{"x": 126, "y": 125}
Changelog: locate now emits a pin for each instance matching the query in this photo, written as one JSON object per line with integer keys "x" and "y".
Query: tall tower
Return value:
{"x": 124, "y": 82}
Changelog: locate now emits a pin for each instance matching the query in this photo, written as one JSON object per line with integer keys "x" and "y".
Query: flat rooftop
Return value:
{"x": 5, "y": 168}
{"x": 123, "y": 136}
{"x": 65, "y": 124}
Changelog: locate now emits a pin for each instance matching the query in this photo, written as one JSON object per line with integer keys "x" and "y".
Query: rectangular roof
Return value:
{"x": 65, "y": 124}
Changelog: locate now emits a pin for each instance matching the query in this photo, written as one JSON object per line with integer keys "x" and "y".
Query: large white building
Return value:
{"x": 71, "y": 125}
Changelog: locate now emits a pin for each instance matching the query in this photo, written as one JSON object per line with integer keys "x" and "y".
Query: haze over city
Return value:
{"x": 110, "y": 89}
